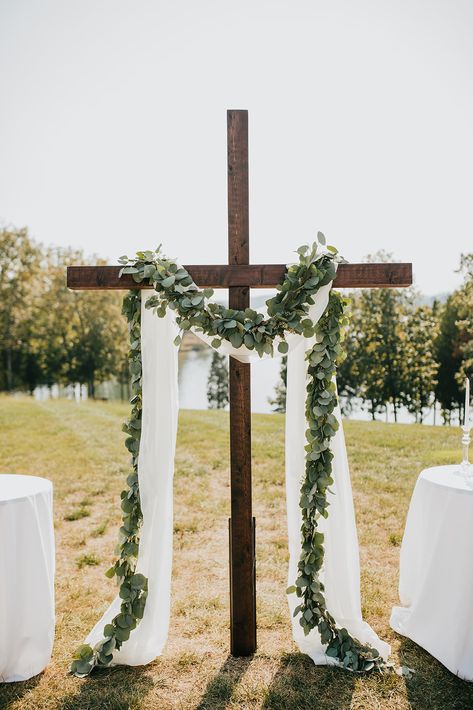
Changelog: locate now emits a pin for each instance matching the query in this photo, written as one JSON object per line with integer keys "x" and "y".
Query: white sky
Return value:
{"x": 113, "y": 125}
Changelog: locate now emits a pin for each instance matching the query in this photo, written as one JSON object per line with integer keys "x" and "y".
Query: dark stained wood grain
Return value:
{"x": 242, "y": 543}
{"x": 252, "y": 275}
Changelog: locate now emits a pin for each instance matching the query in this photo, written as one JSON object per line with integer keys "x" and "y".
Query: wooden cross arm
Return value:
{"x": 253, "y": 275}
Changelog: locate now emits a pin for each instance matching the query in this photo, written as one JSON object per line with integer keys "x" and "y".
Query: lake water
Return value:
{"x": 194, "y": 366}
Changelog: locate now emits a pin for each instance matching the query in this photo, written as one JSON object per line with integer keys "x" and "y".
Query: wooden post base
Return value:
{"x": 243, "y": 620}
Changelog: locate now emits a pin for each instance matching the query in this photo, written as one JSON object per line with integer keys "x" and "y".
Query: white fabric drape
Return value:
{"x": 341, "y": 570}
{"x": 155, "y": 473}
{"x": 156, "y": 467}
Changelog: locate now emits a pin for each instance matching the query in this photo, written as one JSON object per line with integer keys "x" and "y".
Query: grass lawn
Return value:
{"x": 80, "y": 447}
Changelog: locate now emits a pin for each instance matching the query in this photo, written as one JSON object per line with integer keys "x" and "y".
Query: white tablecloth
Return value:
{"x": 26, "y": 576}
{"x": 436, "y": 574}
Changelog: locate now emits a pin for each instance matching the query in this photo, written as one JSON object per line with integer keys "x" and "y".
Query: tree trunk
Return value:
{"x": 9, "y": 371}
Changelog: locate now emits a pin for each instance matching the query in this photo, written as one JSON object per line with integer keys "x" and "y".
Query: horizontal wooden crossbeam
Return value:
{"x": 253, "y": 275}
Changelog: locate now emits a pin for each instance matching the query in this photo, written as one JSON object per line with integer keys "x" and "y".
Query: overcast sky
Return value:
{"x": 113, "y": 126}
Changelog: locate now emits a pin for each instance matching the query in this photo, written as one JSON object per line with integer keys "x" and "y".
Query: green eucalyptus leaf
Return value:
{"x": 105, "y": 659}
{"x": 283, "y": 347}
{"x": 83, "y": 653}
{"x": 149, "y": 271}
{"x": 236, "y": 339}
{"x": 122, "y": 634}
{"x": 138, "y": 581}
{"x": 81, "y": 668}
{"x": 138, "y": 608}
{"x": 125, "y": 593}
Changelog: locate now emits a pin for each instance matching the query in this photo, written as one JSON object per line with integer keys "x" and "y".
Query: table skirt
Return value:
{"x": 27, "y": 576}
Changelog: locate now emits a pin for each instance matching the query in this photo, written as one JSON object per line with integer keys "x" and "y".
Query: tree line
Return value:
{"x": 400, "y": 352}
{"x": 403, "y": 353}
{"x": 49, "y": 334}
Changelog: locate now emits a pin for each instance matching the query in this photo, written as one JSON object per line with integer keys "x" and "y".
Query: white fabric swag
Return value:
{"x": 341, "y": 573}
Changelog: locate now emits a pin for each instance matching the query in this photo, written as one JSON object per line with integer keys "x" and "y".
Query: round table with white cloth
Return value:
{"x": 436, "y": 571}
{"x": 27, "y": 576}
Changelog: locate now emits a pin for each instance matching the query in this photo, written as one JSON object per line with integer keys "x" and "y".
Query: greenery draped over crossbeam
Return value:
{"x": 287, "y": 312}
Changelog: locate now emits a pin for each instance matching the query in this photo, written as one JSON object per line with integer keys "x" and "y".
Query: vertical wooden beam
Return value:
{"x": 242, "y": 548}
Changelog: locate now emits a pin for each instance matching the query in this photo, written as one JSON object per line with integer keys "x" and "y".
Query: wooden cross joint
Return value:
{"x": 239, "y": 276}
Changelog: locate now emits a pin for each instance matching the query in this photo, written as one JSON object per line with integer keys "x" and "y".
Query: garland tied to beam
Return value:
{"x": 287, "y": 313}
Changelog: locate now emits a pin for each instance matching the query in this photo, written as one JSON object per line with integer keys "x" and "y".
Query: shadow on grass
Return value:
{"x": 298, "y": 683}
{"x": 11, "y": 692}
{"x": 432, "y": 686}
{"x": 220, "y": 689}
{"x": 115, "y": 689}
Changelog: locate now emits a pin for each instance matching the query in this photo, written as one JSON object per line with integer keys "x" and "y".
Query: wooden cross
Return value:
{"x": 239, "y": 276}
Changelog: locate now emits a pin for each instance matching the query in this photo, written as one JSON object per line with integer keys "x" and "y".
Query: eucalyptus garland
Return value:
{"x": 133, "y": 587}
{"x": 321, "y": 401}
{"x": 287, "y": 312}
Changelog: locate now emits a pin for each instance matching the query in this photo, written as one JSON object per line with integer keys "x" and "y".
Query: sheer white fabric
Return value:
{"x": 156, "y": 468}
{"x": 155, "y": 472}
{"x": 341, "y": 570}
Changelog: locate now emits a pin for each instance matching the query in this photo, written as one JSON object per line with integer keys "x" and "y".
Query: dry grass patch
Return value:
{"x": 81, "y": 449}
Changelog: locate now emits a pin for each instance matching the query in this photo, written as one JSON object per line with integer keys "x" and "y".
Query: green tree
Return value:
{"x": 49, "y": 333}
{"x": 381, "y": 348}
{"x": 464, "y": 304}
{"x": 278, "y": 402}
{"x": 20, "y": 263}
{"x": 349, "y": 381}
{"x": 449, "y": 356}
{"x": 99, "y": 339}
{"x": 420, "y": 365}
{"x": 378, "y": 345}
{"x": 80, "y": 336}
{"x": 454, "y": 344}
{"x": 53, "y": 308}
{"x": 217, "y": 384}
